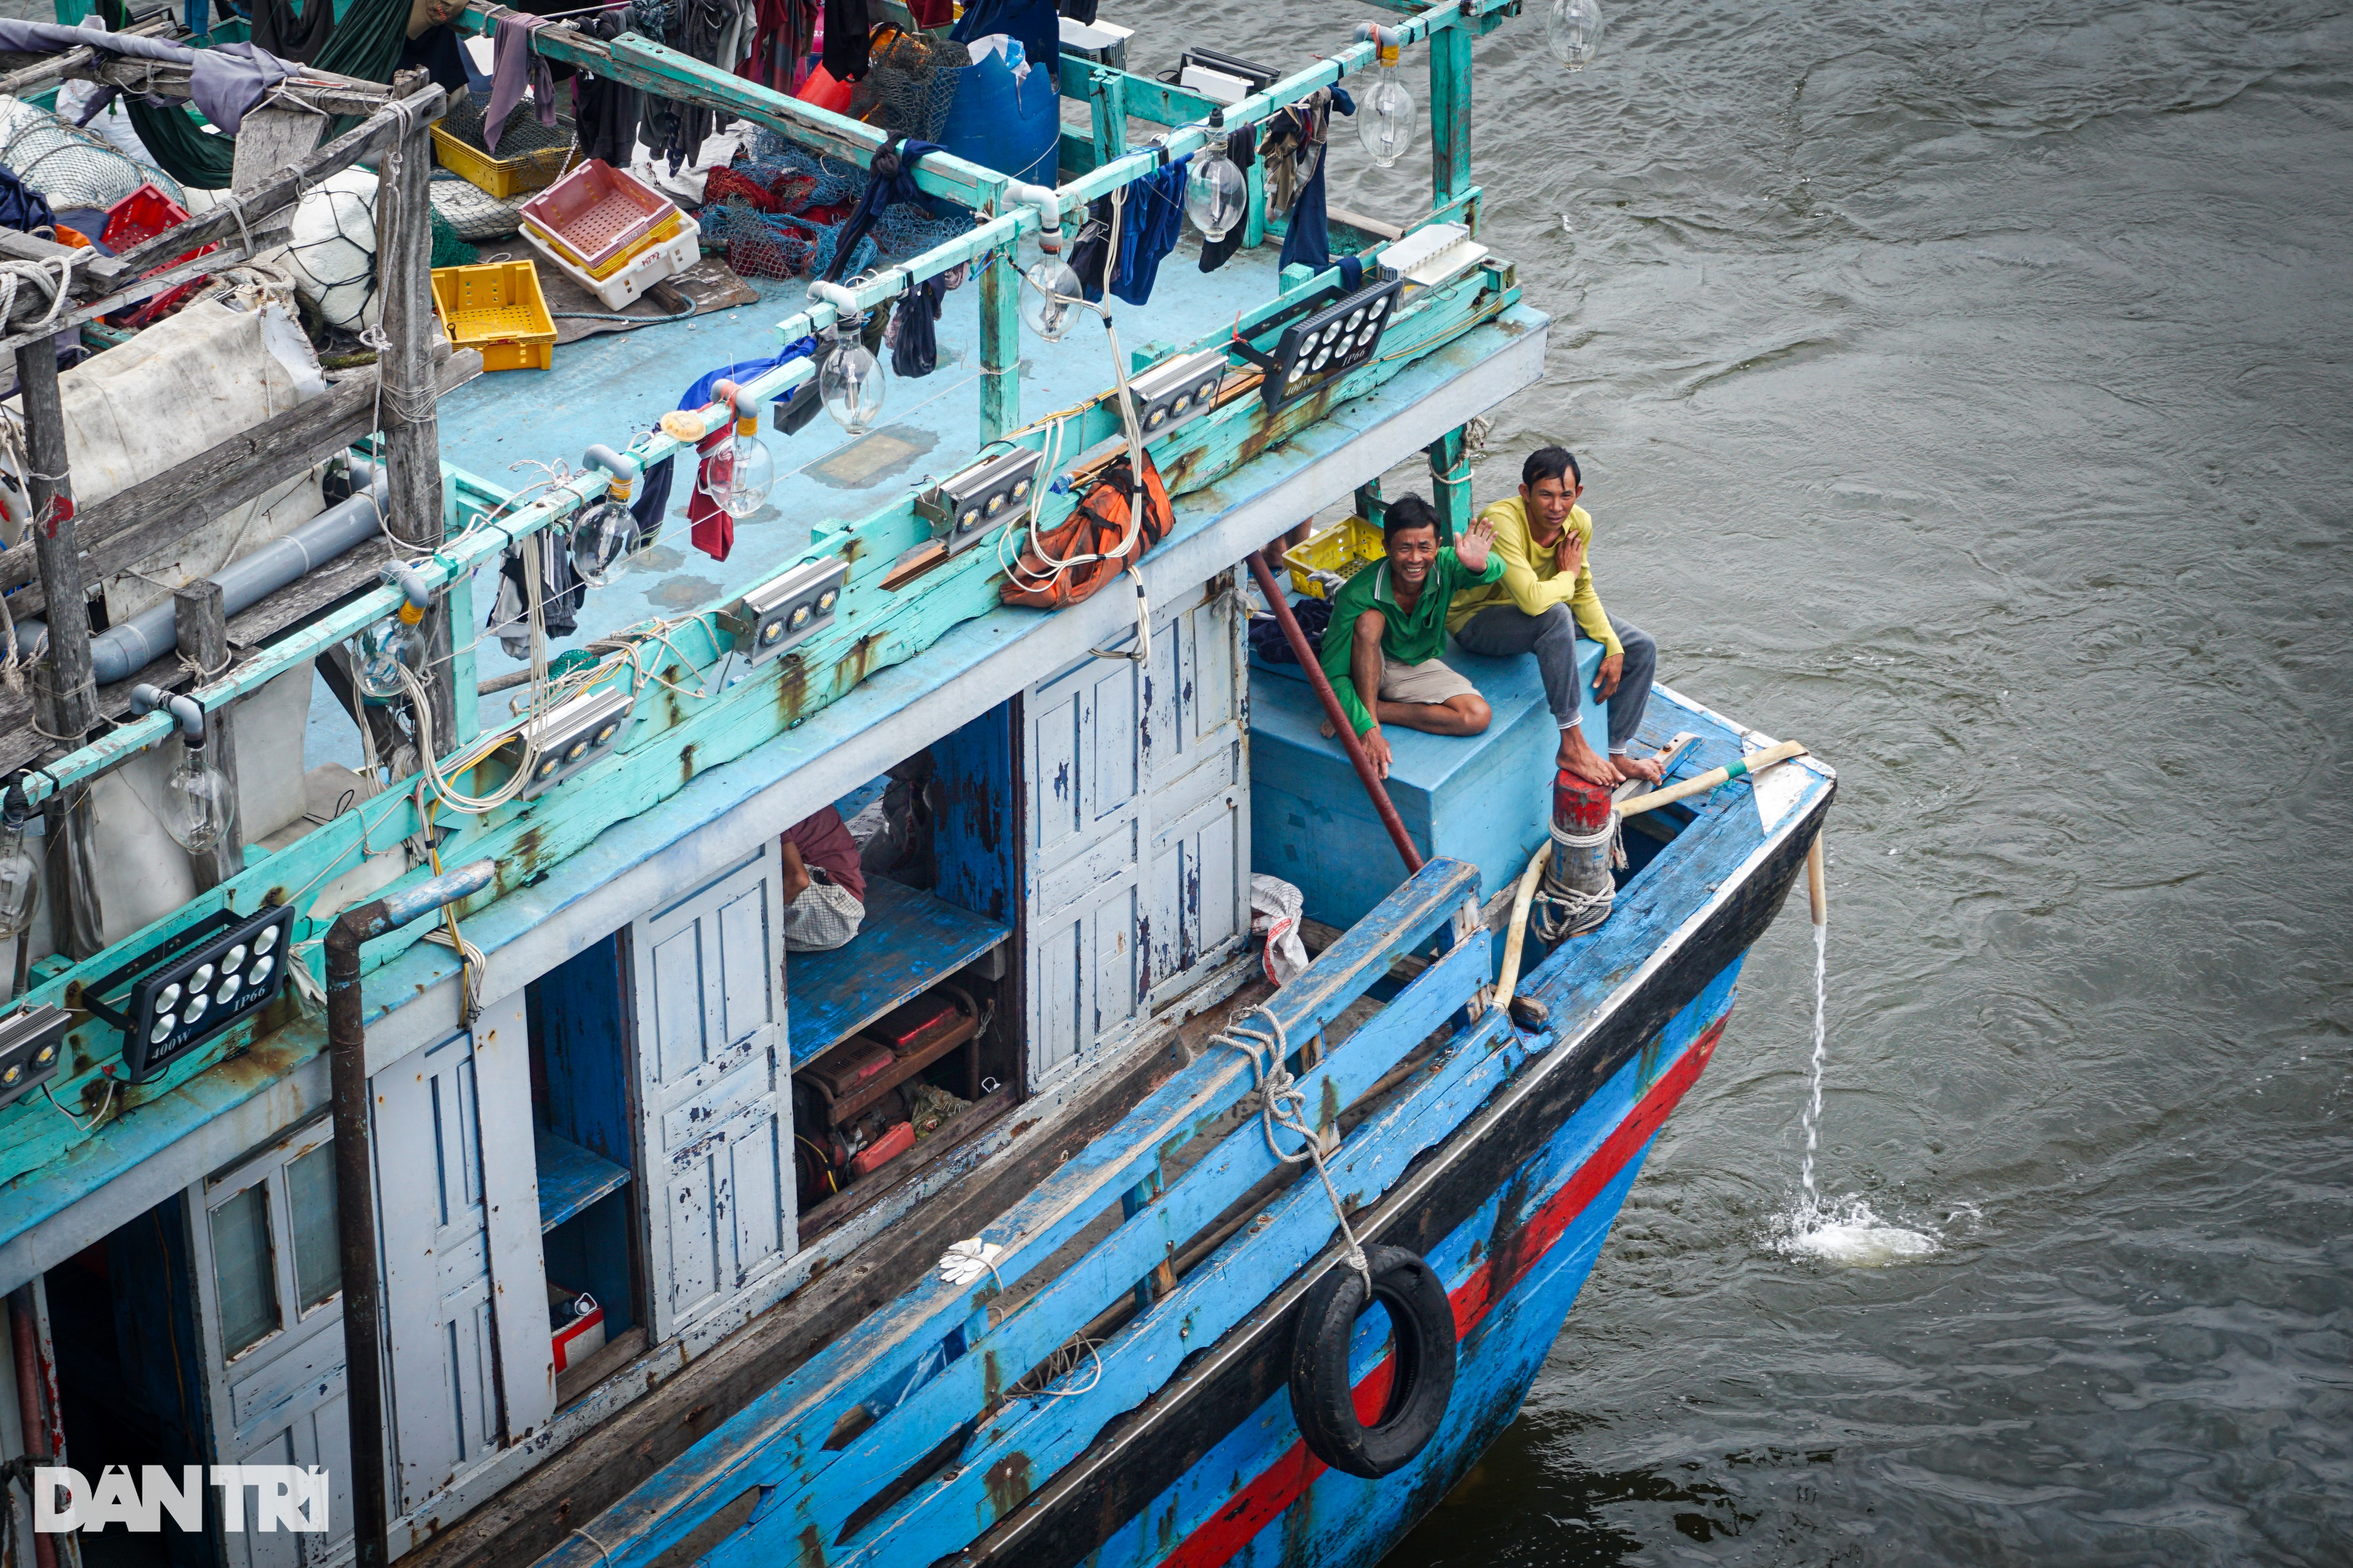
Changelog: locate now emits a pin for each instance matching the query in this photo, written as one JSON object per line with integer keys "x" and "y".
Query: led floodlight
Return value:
{"x": 1325, "y": 344}
{"x": 1175, "y": 390}
{"x": 795, "y": 607}
{"x": 193, "y": 985}
{"x": 32, "y": 1047}
{"x": 574, "y": 733}
{"x": 965, "y": 507}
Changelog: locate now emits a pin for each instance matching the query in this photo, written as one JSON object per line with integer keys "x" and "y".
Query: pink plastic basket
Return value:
{"x": 596, "y": 212}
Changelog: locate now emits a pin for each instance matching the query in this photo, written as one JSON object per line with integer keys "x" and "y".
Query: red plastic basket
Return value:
{"x": 137, "y": 218}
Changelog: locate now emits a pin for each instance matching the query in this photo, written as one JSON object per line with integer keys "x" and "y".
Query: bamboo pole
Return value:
{"x": 1818, "y": 893}
{"x": 1755, "y": 763}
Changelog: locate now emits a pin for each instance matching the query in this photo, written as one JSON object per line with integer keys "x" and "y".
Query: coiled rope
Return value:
{"x": 1280, "y": 1101}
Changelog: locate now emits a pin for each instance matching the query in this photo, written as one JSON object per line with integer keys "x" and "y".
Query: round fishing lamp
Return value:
{"x": 604, "y": 530}
{"x": 1384, "y": 111}
{"x": 198, "y": 805}
{"x": 1049, "y": 294}
{"x": 396, "y": 642}
{"x": 738, "y": 477}
{"x": 848, "y": 379}
{"x": 1572, "y": 32}
{"x": 1216, "y": 195}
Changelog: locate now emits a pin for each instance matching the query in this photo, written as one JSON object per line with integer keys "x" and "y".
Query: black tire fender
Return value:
{"x": 1422, "y": 1333}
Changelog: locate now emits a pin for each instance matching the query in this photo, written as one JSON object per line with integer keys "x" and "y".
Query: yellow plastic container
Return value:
{"x": 1344, "y": 549}
{"x": 503, "y": 177}
{"x": 498, "y": 309}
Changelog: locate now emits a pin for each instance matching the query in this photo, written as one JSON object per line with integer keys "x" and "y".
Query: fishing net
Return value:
{"x": 779, "y": 212}
{"x": 910, "y": 84}
{"x": 522, "y": 134}
{"x": 71, "y": 167}
{"x": 332, "y": 251}
{"x": 472, "y": 213}
{"x": 449, "y": 250}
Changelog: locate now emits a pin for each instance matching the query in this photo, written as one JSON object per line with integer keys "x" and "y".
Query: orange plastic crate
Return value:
{"x": 498, "y": 309}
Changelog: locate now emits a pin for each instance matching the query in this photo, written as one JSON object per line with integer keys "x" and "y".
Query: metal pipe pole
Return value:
{"x": 355, "y": 1219}
{"x": 22, "y": 1332}
{"x": 1332, "y": 709}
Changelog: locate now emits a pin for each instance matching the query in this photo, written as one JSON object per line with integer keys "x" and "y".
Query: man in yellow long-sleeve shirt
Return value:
{"x": 1545, "y": 600}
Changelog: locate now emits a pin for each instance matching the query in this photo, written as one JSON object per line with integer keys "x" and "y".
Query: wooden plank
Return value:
{"x": 571, "y": 1178}
{"x": 1000, "y": 348}
{"x": 201, "y": 632}
{"x": 909, "y": 942}
{"x": 936, "y": 1042}
{"x": 158, "y": 511}
{"x": 46, "y": 70}
{"x": 331, "y": 93}
{"x": 511, "y": 1216}
{"x": 42, "y": 327}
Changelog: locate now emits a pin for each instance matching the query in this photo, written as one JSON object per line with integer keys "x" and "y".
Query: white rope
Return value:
{"x": 1577, "y": 908}
{"x": 1279, "y": 1102}
{"x": 15, "y": 274}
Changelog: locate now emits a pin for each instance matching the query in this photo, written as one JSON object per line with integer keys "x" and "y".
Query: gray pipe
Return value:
{"x": 118, "y": 651}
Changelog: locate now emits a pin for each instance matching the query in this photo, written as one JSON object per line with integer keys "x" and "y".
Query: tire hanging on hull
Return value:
{"x": 1421, "y": 1334}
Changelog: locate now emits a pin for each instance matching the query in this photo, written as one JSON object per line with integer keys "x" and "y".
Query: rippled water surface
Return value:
{"x": 1963, "y": 389}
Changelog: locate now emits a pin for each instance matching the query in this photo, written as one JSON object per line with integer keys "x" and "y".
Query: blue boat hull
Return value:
{"x": 1512, "y": 1270}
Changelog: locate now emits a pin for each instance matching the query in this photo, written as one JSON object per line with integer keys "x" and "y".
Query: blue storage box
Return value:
{"x": 1484, "y": 798}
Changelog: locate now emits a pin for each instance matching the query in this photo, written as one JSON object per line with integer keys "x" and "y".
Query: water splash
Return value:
{"x": 1844, "y": 1230}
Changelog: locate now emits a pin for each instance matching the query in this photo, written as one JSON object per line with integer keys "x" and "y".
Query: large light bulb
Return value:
{"x": 601, "y": 537}
{"x": 849, "y": 383}
{"x": 1572, "y": 32}
{"x": 1215, "y": 194}
{"x": 1384, "y": 114}
{"x": 20, "y": 879}
{"x": 1050, "y": 292}
{"x": 198, "y": 805}
{"x": 738, "y": 476}
{"x": 388, "y": 647}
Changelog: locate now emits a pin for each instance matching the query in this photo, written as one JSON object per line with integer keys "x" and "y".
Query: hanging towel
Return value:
{"x": 1090, "y": 252}
{"x": 709, "y": 525}
{"x": 1149, "y": 229}
{"x": 1309, "y": 241}
{"x": 890, "y": 179}
{"x": 514, "y": 67}
{"x": 913, "y": 338}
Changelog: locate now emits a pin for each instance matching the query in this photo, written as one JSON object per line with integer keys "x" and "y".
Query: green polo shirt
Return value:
{"x": 1408, "y": 636}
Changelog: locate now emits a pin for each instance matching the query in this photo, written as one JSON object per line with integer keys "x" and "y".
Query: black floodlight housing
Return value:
{"x": 965, "y": 508}
{"x": 573, "y": 734}
{"x": 795, "y": 607}
{"x": 1325, "y": 344}
{"x": 196, "y": 983}
{"x": 32, "y": 1049}
{"x": 1175, "y": 390}
{"x": 1259, "y": 77}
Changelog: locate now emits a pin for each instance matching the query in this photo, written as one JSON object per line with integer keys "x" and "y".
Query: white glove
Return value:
{"x": 967, "y": 1261}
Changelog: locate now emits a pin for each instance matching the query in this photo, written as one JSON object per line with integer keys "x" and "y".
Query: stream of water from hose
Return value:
{"x": 1844, "y": 1230}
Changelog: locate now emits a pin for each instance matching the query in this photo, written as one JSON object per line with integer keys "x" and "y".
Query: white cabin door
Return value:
{"x": 457, "y": 1192}
{"x": 270, "y": 1314}
{"x": 718, "y": 1134}
{"x": 1197, "y": 738}
{"x": 1084, "y": 762}
{"x": 1137, "y": 784}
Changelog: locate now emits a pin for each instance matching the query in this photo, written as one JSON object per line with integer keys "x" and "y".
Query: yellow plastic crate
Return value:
{"x": 498, "y": 309}
{"x": 503, "y": 177}
{"x": 661, "y": 232}
{"x": 1344, "y": 549}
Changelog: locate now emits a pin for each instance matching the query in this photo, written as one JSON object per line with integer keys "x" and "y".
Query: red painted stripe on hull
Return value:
{"x": 1224, "y": 1533}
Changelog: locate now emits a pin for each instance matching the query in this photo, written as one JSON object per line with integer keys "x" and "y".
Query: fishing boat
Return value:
{"x": 466, "y": 1130}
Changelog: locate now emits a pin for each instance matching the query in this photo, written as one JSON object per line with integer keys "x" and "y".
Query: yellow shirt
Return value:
{"x": 1532, "y": 582}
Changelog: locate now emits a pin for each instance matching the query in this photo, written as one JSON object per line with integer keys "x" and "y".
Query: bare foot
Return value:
{"x": 1643, "y": 768}
{"x": 1582, "y": 760}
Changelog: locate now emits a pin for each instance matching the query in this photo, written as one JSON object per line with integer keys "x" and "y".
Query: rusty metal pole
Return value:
{"x": 36, "y": 1429}
{"x": 355, "y": 1226}
{"x": 1332, "y": 709}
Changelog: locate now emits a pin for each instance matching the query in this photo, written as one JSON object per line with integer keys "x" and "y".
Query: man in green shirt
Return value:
{"x": 1388, "y": 626}
{"x": 1544, "y": 601}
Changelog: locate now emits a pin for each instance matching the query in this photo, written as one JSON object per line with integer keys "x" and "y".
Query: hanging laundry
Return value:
{"x": 711, "y": 528}
{"x": 913, "y": 336}
{"x": 561, "y": 594}
{"x": 1308, "y": 241}
{"x": 1241, "y": 146}
{"x": 710, "y": 30}
{"x": 891, "y": 179}
{"x": 1149, "y": 229}
{"x": 515, "y": 66}
{"x": 1090, "y": 251}
{"x": 784, "y": 33}
{"x": 847, "y": 28}
{"x": 604, "y": 112}
{"x": 652, "y": 503}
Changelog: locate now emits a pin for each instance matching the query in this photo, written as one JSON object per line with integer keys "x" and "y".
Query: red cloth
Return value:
{"x": 714, "y": 532}
{"x": 825, "y": 843}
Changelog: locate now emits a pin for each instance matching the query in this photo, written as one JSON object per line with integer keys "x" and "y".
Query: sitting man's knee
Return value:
{"x": 1475, "y": 714}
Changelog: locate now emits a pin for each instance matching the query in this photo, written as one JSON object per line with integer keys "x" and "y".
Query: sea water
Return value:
{"x": 1844, "y": 1229}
